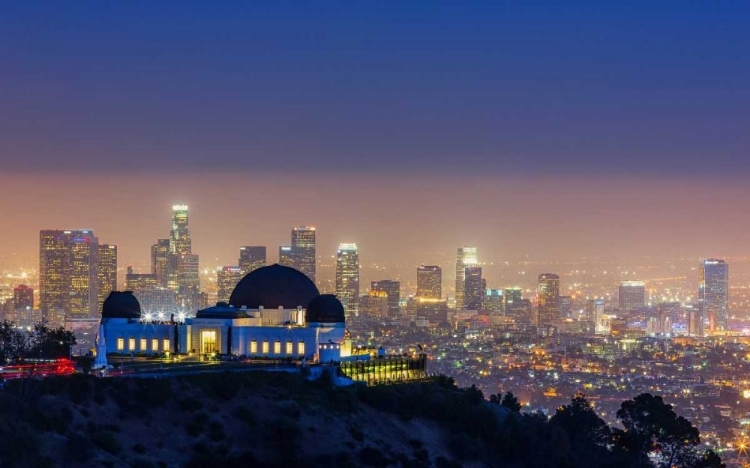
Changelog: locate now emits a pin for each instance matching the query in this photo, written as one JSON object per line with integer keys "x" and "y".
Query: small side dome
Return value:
{"x": 121, "y": 304}
{"x": 325, "y": 308}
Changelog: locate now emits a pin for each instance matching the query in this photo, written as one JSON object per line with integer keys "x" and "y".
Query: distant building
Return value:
{"x": 136, "y": 281}
{"x": 303, "y": 250}
{"x": 189, "y": 281}
{"x": 632, "y": 295}
{"x": 226, "y": 280}
{"x": 465, "y": 257}
{"x": 566, "y": 306}
{"x": 511, "y": 297}
{"x": 392, "y": 289}
{"x": 493, "y": 301}
{"x": 181, "y": 243}
{"x": 106, "y": 272}
{"x": 160, "y": 262}
{"x": 695, "y": 325}
{"x": 473, "y": 288}
{"x": 252, "y": 257}
{"x": 374, "y": 304}
{"x": 157, "y": 303}
{"x": 430, "y": 282}
{"x": 285, "y": 256}
{"x": 433, "y": 310}
{"x": 595, "y": 315}
{"x": 548, "y": 299}
{"x": 347, "y": 277}
{"x": 713, "y": 293}
{"x": 23, "y": 297}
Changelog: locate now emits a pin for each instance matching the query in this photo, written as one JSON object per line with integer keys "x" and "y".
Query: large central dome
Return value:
{"x": 274, "y": 286}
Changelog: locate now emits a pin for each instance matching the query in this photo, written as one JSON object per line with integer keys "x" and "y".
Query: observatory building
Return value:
{"x": 274, "y": 312}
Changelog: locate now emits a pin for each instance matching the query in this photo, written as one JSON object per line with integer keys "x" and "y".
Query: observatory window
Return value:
{"x": 166, "y": 344}
{"x": 265, "y": 348}
{"x": 289, "y": 348}
{"x": 120, "y": 344}
{"x": 277, "y": 347}
{"x": 143, "y": 345}
{"x": 254, "y": 347}
{"x": 131, "y": 344}
{"x": 155, "y": 345}
{"x": 301, "y": 348}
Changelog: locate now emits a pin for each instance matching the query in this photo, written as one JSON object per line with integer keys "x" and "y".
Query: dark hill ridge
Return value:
{"x": 279, "y": 419}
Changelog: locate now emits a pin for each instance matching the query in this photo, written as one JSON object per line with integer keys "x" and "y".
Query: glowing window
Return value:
{"x": 265, "y": 347}
{"x": 254, "y": 347}
{"x": 155, "y": 344}
{"x": 289, "y": 348}
{"x": 131, "y": 344}
{"x": 277, "y": 347}
{"x": 143, "y": 344}
{"x": 120, "y": 344}
{"x": 165, "y": 343}
{"x": 301, "y": 348}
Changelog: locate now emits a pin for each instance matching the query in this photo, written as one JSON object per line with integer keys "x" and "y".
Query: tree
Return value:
{"x": 13, "y": 342}
{"x": 652, "y": 426}
{"x": 511, "y": 402}
{"x": 50, "y": 342}
{"x": 581, "y": 422}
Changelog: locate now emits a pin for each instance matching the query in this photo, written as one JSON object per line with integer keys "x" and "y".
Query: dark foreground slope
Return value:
{"x": 274, "y": 419}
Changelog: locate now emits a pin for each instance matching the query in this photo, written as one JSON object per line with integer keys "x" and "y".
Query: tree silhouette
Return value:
{"x": 582, "y": 423}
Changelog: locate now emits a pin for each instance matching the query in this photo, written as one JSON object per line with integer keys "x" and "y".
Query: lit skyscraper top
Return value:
{"x": 347, "y": 277}
{"x": 303, "y": 250}
{"x": 548, "y": 299}
{"x": 465, "y": 257}
{"x": 180, "y": 237}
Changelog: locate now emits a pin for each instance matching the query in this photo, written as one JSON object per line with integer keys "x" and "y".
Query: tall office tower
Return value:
{"x": 430, "y": 282}
{"x": 548, "y": 299}
{"x": 226, "y": 280}
{"x": 23, "y": 297}
{"x": 106, "y": 273}
{"x": 393, "y": 290}
{"x": 285, "y": 256}
{"x": 374, "y": 304}
{"x": 188, "y": 274}
{"x": 695, "y": 317}
{"x": 566, "y": 306}
{"x": 465, "y": 257}
{"x": 160, "y": 261}
{"x": 303, "y": 250}
{"x": 473, "y": 288}
{"x": 713, "y": 293}
{"x": 347, "y": 277}
{"x": 180, "y": 236}
{"x": 511, "y": 298}
{"x": 84, "y": 292}
{"x": 632, "y": 295}
{"x": 493, "y": 300}
{"x": 54, "y": 271}
{"x": 252, "y": 257}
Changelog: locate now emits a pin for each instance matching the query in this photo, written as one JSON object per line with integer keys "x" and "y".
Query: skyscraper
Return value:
{"x": 511, "y": 298}
{"x": 68, "y": 265}
{"x": 632, "y": 295}
{"x": 180, "y": 236}
{"x": 285, "y": 256}
{"x": 713, "y": 293}
{"x": 430, "y": 282}
{"x": 106, "y": 272}
{"x": 252, "y": 257}
{"x": 473, "y": 288}
{"x": 548, "y": 299}
{"x": 23, "y": 297}
{"x": 465, "y": 257}
{"x": 226, "y": 280}
{"x": 347, "y": 277}
{"x": 392, "y": 289}
{"x": 303, "y": 250}
{"x": 160, "y": 261}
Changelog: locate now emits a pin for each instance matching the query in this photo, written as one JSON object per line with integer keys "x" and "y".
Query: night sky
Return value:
{"x": 552, "y": 128}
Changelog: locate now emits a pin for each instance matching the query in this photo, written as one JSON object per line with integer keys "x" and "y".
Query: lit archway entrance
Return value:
{"x": 208, "y": 341}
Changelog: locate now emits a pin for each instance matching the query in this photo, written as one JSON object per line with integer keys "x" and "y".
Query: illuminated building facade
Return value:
{"x": 713, "y": 293}
{"x": 188, "y": 274}
{"x": 465, "y": 257}
{"x": 430, "y": 282}
{"x": 180, "y": 235}
{"x": 106, "y": 272}
{"x": 226, "y": 280}
{"x": 566, "y": 306}
{"x": 493, "y": 301}
{"x": 392, "y": 289}
{"x": 347, "y": 277}
{"x": 374, "y": 304}
{"x": 23, "y": 297}
{"x": 136, "y": 281}
{"x": 632, "y": 295}
{"x": 473, "y": 288}
{"x": 548, "y": 299}
{"x": 303, "y": 250}
{"x": 511, "y": 298}
{"x": 285, "y": 256}
{"x": 433, "y": 310}
{"x": 160, "y": 262}
{"x": 157, "y": 303}
{"x": 68, "y": 272}
{"x": 252, "y": 257}
{"x": 275, "y": 312}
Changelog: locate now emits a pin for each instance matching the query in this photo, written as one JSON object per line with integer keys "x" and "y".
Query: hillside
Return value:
{"x": 274, "y": 419}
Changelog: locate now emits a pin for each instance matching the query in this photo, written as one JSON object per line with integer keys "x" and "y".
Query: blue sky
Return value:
{"x": 577, "y": 87}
